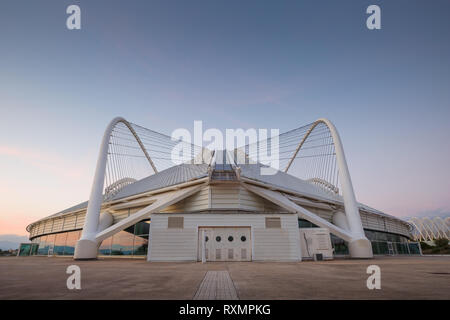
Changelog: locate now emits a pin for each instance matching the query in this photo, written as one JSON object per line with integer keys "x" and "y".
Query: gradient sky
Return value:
{"x": 249, "y": 64}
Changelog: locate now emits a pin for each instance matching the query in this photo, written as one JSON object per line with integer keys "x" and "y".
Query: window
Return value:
{"x": 72, "y": 238}
{"x": 218, "y": 238}
{"x": 339, "y": 245}
{"x": 34, "y": 248}
{"x": 371, "y": 235}
{"x": 140, "y": 245}
{"x": 175, "y": 223}
{"x": 131, "y": 241}
{"x": 25, "y": 249}
{"x": 141, "y": 231}
{"x": 243, "y": 238}
{"x": 105, "y": 247}
{"x": 382, "y": 247}
{"x": 50, "y": 243}
{"x": 230, "y": 238}
{"x": 43, "y": 246}
{"x": 142, "y": 227}
{"x": 302, "y": 223}
{"x": 60, "y": 243}
{"x": 413, "y": 248}
{"x": 273, "y": 223}
{"x": 122, "y": 243}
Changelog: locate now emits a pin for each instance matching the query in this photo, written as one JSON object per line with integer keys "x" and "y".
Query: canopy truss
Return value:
{"x": 135, "y": 152}
{"x": 307, "y": 152}
{"x": 427, "y": 229}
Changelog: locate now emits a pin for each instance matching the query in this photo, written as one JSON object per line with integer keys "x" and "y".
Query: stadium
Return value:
{"x": 214, "y": 206}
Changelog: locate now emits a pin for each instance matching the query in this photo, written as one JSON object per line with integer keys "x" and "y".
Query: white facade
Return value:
{"x": 182, "y": 244}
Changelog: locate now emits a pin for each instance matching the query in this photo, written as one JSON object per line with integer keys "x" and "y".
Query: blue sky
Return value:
{"x": 250, "y": 64}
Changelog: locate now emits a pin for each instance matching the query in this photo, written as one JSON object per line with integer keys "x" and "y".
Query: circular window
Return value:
{"x": 243, "y": 238}
{"x": 218, "y": 239}
{"x": 206, "y": 238}
{"x": 230, "y": 238}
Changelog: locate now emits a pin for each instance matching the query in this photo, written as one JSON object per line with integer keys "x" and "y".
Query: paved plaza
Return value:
{"x": 120, "y": 278}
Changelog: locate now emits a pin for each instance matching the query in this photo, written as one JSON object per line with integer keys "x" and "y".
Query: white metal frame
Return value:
{"x": 86, "y": 247}
{"x": 427, "y": 229}
{"x": 96, "y": 197}
{"x": 350, "y": 204}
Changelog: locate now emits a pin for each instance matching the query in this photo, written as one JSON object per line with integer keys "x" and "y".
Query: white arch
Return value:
{"x": 362, "y": 246}
{"x": 443, "y": 226}
{"x": 430, "y": 229}
{"x": 418, "y": 227}
{"x": 325, "y": 185}
{"x": 87, "y": 243}
{"x": 350, "y": 204}
{"x": 125, "y": 122}
{"x": 428, "y": 224}
{"x": 111, "y": 190}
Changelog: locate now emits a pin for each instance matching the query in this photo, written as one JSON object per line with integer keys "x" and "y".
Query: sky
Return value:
{"x": 231, "y": 64}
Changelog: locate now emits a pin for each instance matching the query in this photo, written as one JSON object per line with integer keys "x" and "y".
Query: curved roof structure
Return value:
{"x": 429, "y": 229}
{"x": 136, "y": 172}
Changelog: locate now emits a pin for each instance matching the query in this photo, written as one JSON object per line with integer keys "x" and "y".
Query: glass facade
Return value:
{"x": 105, "y": 247}
{"x": 51, "y": 243}
{"x": 60, "y": 243}
{"x": 390, "y": 243}
{"x": 141, "y": 233}
{"x": 27, "y": 249}
{"x": 122, "y": 242}
{"x": 339, "y": 245}
{"x": 57, "y": 244}
{"x": 302, "y": 223}
{"x": 382, "y": 242}
{"x": 71, "y": 241}
{"x": 43, "y": 248}
{"x": 132, "y": 241}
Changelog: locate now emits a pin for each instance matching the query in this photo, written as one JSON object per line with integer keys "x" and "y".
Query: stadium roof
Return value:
{"x": 190, "y": 172}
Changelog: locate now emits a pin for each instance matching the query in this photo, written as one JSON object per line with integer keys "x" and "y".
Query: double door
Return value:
{"x": 225, "y": 243}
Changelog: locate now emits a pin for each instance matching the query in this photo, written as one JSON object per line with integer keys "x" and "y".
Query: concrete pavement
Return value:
{"x": 119, "y": 278}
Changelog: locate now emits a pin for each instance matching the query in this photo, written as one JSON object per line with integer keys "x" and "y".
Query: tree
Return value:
{"x": 425, "y": 246}
{"x": 441, "y": 242}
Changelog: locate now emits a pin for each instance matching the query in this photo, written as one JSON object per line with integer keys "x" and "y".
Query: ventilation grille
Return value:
{"x": 218, "y": 254}
{"x": 175, "y": 223}
{"x": 273, "y": 223}
{"x": 244, "y": 254}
